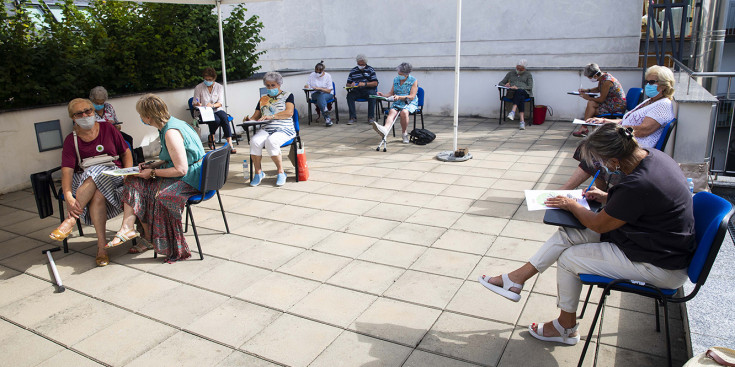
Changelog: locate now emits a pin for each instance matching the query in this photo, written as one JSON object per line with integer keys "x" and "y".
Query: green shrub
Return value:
{"x": 124, "y": 46}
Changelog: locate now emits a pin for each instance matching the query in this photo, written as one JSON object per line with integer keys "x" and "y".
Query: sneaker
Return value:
{"x": 379, "y": 129}
{"x": 371, "y": 121}
{"x": 351, "y": 121}
{"x": 511, "y": 115}
{"x": 328, "y": 122}
{"x": 405, "y": 138}
{"x": 522, "y": 126}
{"x": 257, "y": 178}
{"x": 281, "y": 179}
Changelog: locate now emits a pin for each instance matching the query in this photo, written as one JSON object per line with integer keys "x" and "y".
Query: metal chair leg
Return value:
{"x": 658, "y": 323}
{"x": 222, "y": 209}
{"x": 668, "y": 333}
{"x": 592, "y": 327}
{"x": 586, "y": 300}
{"x": 196, "y": 236}
{"x": 186, "y": 220}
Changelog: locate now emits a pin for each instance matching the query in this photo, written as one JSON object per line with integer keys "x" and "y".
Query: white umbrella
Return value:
{"x": 217, "y": 3}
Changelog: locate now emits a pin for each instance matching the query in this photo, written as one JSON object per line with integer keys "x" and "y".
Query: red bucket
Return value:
{"x": 539, "y": 114}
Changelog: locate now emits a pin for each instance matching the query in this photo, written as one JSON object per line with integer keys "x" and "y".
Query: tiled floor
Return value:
{"x": 371, "y": 262}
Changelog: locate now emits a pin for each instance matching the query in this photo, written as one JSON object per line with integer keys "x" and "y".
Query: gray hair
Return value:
{"x": 404, "y": 68}
{"x": 98, "y": 92}
{"x": 591, "y": 70}
{"x": 273, "y": 76}
{"x": 522, "y": 62}
{"x": 610, "y": 140}
{"x": 361, "y": 57}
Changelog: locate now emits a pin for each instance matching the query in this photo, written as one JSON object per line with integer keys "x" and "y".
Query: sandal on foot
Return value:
{"x": 581, "y": 133}
{"x": 58, "y": 235}
{"x": 210, "y": 142}
{"x": 505, "y": 289}
{"x": 123, "y": 238}
{"x": 233, "y": 151}
{"x": 142, "y": 246}
{"x": 563, "y": 333}
{"x": 102, "y": 260}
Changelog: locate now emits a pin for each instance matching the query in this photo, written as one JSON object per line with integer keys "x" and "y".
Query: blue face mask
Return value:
{"x": 273, "y": 92}
{"x": 141, "y": 120}
{"x": 651, "y": 90}
{"x": 610, "y": 173}
{"x": 208, "y": 83}
{"x": 402, "y": 77}
{"x": 98, "y": 106}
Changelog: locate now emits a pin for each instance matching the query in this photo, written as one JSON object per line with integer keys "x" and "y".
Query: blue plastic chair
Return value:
{"x": 632, "y": 98}
{"x": 664, "y": 138}
{"x": 333, "y": 100}
{"x": 296, "y": 142}
{"x": 230, "y": 119}
{"x": 215, "y": 168}
{"x": 711, "y": 217}
{"x": 503, "y": 99}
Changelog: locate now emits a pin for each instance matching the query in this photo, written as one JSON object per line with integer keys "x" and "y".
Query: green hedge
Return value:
{"x": 124, "y": 46}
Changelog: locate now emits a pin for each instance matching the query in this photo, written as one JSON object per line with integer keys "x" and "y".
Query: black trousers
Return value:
{"x": 220, "y": 120}
{"x": 519, "y": 97}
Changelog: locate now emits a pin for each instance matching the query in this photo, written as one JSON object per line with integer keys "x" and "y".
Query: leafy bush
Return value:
{"x": 124, "y": 46}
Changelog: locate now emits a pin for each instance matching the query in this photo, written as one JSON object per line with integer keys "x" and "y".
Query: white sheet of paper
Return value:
{"x": 502, "y": 86}
{"x": 576, "y": 93}
{"x": 207, "y": 113}
{"x": 583, "y": 122}
{"x": 123, "y": 171}
{"x": 535, "y": 198}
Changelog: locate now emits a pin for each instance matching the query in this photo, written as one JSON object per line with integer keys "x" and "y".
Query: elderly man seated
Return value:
{"x": 362, "y": 82}
{"x": 520, "y": 83}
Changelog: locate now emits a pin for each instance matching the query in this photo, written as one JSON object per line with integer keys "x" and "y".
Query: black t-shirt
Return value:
{"x": 655, "y": 202}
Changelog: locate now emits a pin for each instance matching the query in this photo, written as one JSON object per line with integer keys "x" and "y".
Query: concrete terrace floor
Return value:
{"x": 372, "y": 262}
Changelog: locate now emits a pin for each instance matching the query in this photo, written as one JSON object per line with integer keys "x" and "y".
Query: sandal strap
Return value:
{"x": 508, "y": 284}
{"x": 563, "y": 331}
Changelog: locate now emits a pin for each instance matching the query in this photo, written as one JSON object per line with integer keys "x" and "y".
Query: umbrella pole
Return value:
{"x": 222, "y": 52}
{"x": 456, "y": 72}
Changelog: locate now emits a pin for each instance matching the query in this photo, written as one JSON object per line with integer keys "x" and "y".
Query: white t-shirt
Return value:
{"x": 320, "y": 81}
{"x": 662, "y": 111}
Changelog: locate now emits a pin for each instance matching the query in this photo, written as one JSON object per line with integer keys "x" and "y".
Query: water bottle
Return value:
{"x": 690, "y": 182}
{"x": 245, "y": 172}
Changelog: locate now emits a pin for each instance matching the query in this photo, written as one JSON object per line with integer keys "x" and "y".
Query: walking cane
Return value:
{"x": 53, "y": 267}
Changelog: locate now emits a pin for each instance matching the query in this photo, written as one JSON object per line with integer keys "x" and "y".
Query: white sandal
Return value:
{"x": 505, "y": 289}
{"x": 563, "y": 333}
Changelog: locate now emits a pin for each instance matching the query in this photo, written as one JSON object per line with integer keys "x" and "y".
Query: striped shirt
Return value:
{"x": 366, "y": 75}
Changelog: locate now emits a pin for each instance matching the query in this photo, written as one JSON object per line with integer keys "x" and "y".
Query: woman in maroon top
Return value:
{"x": 91, "y": 195}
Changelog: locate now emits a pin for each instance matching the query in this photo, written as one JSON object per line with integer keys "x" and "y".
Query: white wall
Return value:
{"x": 495, "y": 33}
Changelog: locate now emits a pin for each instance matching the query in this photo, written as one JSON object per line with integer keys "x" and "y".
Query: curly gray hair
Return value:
{"x": 404, "y": 68}
{"x": 273, "y": 76}
{"x": 361, "y": 57}
{"x": 98, "y": 92}
{"x": 591, "y": 70}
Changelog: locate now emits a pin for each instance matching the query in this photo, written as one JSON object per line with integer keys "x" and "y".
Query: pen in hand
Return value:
{"x": 591, "y": 183}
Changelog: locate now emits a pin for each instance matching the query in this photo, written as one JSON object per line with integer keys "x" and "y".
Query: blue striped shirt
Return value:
{"x": 365, "y": 75}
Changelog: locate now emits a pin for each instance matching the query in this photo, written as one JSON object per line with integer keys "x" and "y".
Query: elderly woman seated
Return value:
{"x": 90, "y": 195}
{"x": 520, "y": 82}
{"x": 647, "y": 119}
{"x": 611, "y": 99}
{"x": 275, "y": 110}
{"x": 209, "y": 93}
{"x": 157, "y": 195}
{"x": 104, "y": 112}
{"x": 404, "y": 90}
{"x": 645, "y": 231}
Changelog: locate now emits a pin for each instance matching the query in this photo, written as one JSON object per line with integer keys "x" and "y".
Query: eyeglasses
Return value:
{"x": 79, "y": 114}
{"x": 652, "y": 82}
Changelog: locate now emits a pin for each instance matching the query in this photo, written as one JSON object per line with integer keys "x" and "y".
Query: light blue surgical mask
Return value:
{"x": 273, "y": 92}
{"x": 651, "y": 90}
{"x": 98, "y": 106}
{"x": 144, "y": 123}
{"x": 208, "y": 83}
{"x": 402, "y": 77}
{"x": 610, "y": 173}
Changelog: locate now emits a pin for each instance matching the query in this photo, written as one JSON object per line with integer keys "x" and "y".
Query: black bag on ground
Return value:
{"x": 421, "y": 136}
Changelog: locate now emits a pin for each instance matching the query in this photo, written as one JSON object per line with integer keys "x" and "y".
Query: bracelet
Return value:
{"x": 153, "y": 174}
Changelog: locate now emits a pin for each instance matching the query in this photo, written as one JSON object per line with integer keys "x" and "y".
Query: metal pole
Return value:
{"x": 222, "y": 52}
{"x": 456, "y": 72}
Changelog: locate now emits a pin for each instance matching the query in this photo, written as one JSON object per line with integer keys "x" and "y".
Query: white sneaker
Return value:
{"x": 328, "y": 122}
{"x": 379, "y": 129}
{"x": 511, "y": 115}
{"x": 522, "y": 126}
{"x": 350, "y": 121}
{"x": 405, "y": 138}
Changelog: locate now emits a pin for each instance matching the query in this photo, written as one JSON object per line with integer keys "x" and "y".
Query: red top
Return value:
{"x": 108, "y": 141}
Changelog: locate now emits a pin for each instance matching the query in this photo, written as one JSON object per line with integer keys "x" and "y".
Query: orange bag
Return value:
{"x": 303, "y": 166}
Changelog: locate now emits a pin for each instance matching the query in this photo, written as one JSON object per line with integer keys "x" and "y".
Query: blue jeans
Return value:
{"x": 220, "y": 120}
{"x": 361, "y": 92}
{"x": 320, "y": 99}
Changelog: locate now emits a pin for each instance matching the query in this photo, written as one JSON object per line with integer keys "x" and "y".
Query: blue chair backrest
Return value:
{"x": 296, "y": 120}
{"x": 421, "y": 96}
{"x": 334, "y": 91}
{"x": 665, "y": 133}
{"x": 711, "y": 216}
{"x": 191, "y": 106}
{"x": 632, "y": 98}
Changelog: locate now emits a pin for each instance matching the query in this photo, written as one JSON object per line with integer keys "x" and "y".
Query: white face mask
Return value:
{"x": 361, "y": 67}
{"x": 86, "y": 123}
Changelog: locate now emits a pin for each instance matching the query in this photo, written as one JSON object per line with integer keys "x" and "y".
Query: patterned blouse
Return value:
{"x": 404, "y": 90}
{"x": 662, "y": 111}
{"x": 108, "y": 114}
{"x": 270, "y": 106}
{"x": 615, "y": 101}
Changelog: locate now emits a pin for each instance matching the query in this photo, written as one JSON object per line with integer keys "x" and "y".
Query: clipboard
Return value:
{"x": 563, "y": 218}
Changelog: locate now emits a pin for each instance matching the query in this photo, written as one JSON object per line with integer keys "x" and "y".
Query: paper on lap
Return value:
{"x": 535, "y": 198}
{"x": 207, "y": 113}
{"x": 123, "y": 171}
{"x": 583, "y": 122}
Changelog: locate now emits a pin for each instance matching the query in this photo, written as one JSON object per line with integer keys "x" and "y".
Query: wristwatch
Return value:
{"x": 153, "y": 174}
